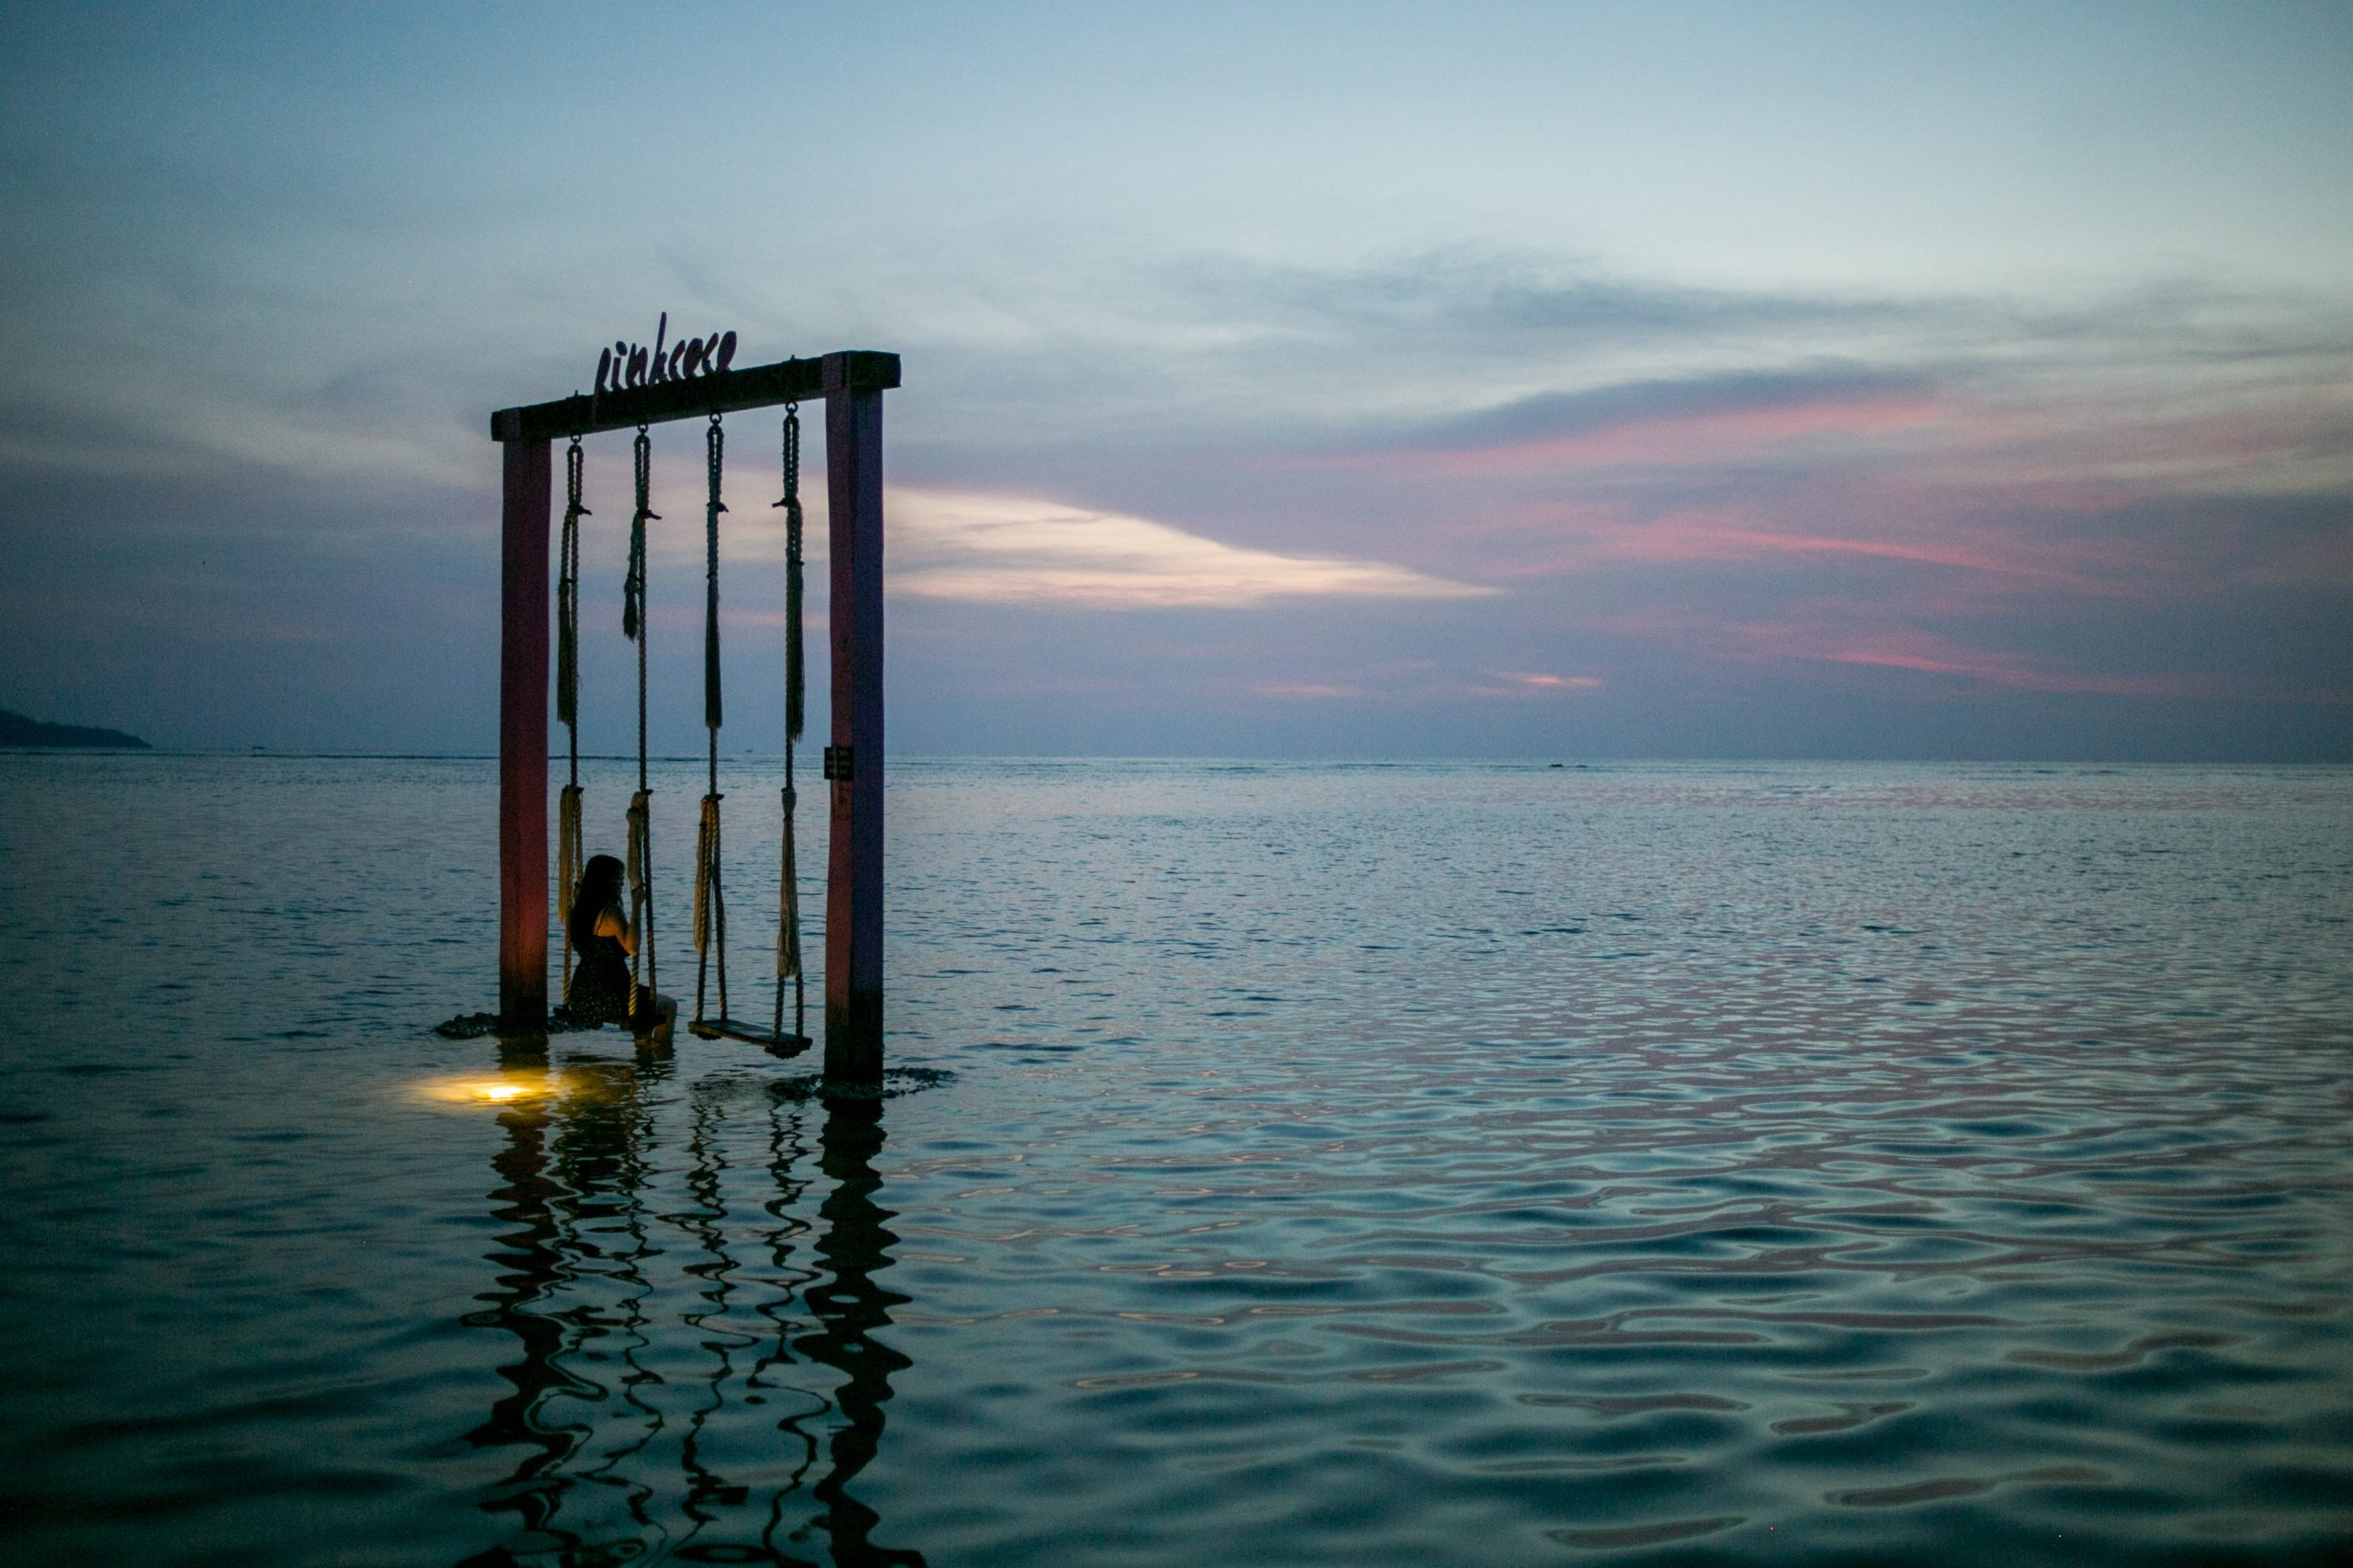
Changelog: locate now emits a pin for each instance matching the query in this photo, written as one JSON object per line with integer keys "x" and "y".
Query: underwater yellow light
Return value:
{"x": 493, "y": 1089}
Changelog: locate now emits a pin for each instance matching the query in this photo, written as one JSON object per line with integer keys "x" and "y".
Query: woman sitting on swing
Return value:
{"x": 602, "y": 991}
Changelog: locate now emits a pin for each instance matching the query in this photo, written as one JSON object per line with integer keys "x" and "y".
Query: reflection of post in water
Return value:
{"x": 573, "y": 1190}
{"x": 562, "y": 1157}
{"x": 854, "y": 1243}
{"x": 531, "y": 1260}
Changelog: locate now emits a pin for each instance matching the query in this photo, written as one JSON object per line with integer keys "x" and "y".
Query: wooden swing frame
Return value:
{"x": 852, "y": 384}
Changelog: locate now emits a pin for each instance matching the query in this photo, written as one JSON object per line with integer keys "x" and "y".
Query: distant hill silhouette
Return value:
{"x": 16, "y": 729}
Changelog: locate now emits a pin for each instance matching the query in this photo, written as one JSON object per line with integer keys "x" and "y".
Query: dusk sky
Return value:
{"x": 1369, "y": 380}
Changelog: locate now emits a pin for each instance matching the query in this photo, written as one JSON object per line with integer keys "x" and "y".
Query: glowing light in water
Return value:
{"x": 490, "y": 1089}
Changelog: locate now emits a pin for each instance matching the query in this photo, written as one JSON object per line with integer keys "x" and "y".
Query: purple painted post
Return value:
{"x": 854, "y": 870}
{"x": 523, "y": 740}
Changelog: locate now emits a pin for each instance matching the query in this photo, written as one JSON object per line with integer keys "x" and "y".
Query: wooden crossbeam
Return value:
{"x": 728, "y": 392}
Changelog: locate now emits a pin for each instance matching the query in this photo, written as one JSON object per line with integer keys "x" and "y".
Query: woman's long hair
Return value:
{"x": 600, "y": 887}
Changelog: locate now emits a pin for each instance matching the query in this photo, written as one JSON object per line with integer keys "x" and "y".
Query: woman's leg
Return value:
{"x": 654, "y": 1016}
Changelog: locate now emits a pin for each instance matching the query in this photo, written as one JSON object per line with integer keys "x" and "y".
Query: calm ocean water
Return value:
{"x": 1334, "y": 1164}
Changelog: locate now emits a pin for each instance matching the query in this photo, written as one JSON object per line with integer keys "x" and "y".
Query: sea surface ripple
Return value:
{"x": 1309, "y": 1163}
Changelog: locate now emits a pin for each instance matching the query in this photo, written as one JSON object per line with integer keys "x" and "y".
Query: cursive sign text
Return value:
{"x": 633, "y": 365}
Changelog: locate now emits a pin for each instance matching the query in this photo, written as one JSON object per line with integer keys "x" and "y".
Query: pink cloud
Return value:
{"x": 1551, "y": 683}
{"x": 1306, "y": 691}
{"x": 1881, "y": 634}
{"x": 1701, "y": 536}
{"x": 1527, "y": 684}
{"x": 1916, "y": 531}
{"x": 1829, "y": 635}
{"x": 1678, "y": 439}
{"x": 2005, "y": 669}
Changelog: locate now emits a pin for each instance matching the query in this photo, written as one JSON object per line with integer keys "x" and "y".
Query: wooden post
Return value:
{"x": 854, "y": 869}
{"x": 523, "y": 740}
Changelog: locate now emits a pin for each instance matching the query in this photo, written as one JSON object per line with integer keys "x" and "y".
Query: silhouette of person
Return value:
{"x": 603, "y": 936}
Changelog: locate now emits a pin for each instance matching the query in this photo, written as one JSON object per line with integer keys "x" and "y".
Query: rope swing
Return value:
{"x": 787, "y": 908}
{"x": 710, "y": 903}
{"x": 641, "y": 805}
{"x": 709, "y": 899}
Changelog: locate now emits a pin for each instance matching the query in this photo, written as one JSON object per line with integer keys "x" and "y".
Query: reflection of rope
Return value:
{"x": 571, "y": 1179}
{"x": 622, "y": 1130}
{"x": 534, "y": 1263}
{"x": 706, "y": 1183}
{"x": 784, "y": 1149}
{"x": 651, "y": 1354}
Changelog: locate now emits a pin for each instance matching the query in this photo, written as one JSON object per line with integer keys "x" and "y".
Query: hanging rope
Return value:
{"x": 568, "y": 867}
{"x": 710, "y": 909}
{"x": 641, "y": 805}
{"x": 567, "y": 598}
{"x": 711, "y": 906}
{"x": 787, "y": 924}
{"x": 788, "y": 912}
{"x": 795, "y": 676}
{"x": 567, "y": 697}
{"x": 641, "y": 882}
{"x": 714, "y": 454}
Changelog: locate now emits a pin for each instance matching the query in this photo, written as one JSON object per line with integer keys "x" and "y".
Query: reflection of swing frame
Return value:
{"x": 580, "y": 1208}
{"x": 851, "y": 385}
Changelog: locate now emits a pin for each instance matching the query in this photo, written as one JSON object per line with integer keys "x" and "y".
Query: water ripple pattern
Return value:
{"x": 1319, "y": 1165}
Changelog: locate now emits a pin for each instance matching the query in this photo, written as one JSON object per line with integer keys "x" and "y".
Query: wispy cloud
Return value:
{"x": 1534, "y": 681}
{"x": 1307, "y": 690}
{"x": 1016, "y": 550}
{"x": 1698, "y": 419}
{"x": 1935, "y": 656}
{"x": 1827, "y": 631}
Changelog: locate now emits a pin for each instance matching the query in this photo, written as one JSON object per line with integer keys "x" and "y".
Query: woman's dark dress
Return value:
{"x": 601, "y": 992}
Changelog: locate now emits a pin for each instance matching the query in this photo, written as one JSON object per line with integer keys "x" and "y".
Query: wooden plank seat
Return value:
{"x": 786, "y": 1046}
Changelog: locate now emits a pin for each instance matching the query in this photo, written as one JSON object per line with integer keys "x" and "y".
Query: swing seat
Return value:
{"x": 785, "y": 1046}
